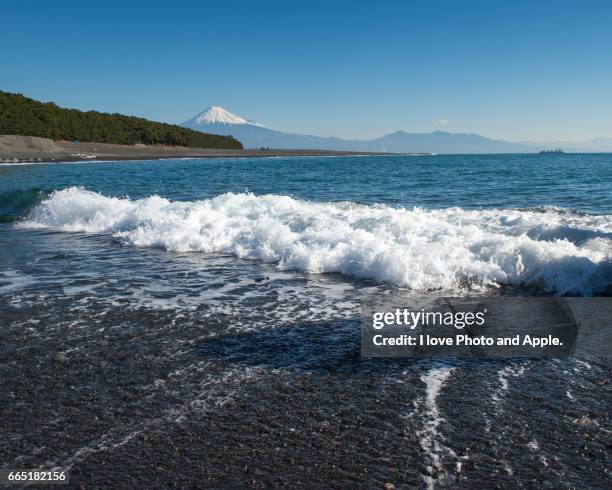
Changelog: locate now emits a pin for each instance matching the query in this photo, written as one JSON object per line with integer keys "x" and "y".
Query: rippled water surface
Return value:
{"x": 575, "y": 181}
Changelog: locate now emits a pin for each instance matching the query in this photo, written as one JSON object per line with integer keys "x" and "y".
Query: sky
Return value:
{"x": 515, "y": 70}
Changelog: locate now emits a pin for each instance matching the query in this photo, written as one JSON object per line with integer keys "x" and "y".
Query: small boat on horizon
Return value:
{"x": 556, "y": 150}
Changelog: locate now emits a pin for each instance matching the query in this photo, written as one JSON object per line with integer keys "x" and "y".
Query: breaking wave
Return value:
{"x": 553, "y": 250}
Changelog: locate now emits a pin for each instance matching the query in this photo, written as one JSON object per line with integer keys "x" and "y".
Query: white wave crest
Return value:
{"x": 416, "y": 248}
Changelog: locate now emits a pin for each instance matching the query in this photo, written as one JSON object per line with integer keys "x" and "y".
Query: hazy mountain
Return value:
{"x": 444, "y": 142}
{"x": 217, "y": 120}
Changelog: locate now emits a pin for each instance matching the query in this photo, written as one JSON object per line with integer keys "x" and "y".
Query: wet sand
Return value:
{"x": 258, "y": 387}
{"x": 167, "y": 401}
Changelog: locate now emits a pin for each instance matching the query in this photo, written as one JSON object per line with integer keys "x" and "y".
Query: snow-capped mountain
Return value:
{"x": 217, "y": 115}
{"x": 217, "y": 120}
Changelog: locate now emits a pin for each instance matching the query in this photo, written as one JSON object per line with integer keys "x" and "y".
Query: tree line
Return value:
{"x": 25, "y": 116}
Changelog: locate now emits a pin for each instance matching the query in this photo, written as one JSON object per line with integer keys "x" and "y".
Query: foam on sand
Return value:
{"x": 451, "y": 249}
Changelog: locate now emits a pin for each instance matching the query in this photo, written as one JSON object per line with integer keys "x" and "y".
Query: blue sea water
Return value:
{"x": 451, "y": 223}
{"x": 581, "y": 182}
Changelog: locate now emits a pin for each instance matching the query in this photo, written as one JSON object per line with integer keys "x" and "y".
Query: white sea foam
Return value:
{"x": 503, "y": 377}
{"x": 430, "y": 438}
{"x": 11, "y": 280}
{"x": 449, "y": 249}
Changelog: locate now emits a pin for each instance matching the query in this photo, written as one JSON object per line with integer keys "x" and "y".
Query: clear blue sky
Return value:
{"x": 518, "y": 70}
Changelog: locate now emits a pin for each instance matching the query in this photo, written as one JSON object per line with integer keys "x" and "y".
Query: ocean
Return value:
{"x": 203, "y": 316}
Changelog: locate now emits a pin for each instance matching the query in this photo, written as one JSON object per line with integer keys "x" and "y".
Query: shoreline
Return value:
{"x": 245, "y": 154}
{"x": 30, "y": 150}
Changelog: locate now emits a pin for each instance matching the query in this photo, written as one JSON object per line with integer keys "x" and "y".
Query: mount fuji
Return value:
{"x": 216, "y": 115}
{"x": 251, "y": 134}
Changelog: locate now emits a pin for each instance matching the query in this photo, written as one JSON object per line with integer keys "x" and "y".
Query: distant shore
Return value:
{"x": 15, "y": 149}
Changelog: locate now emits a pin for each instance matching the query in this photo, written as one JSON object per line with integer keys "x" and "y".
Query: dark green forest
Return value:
{"x": 25, "y": 116}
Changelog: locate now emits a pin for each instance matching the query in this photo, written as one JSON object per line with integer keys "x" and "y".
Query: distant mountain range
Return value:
{"x": 217, "y": 120}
